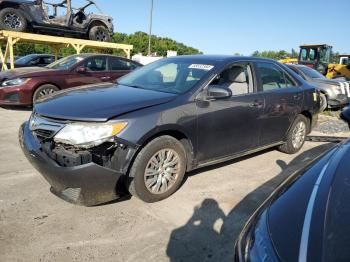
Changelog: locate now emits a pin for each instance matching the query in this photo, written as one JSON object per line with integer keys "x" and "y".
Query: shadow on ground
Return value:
{"x": 198, "y": 240}
{"x": 17, "y": 108}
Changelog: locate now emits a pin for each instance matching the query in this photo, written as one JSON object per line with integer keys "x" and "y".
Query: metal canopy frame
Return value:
{"x": 10, "y": 38}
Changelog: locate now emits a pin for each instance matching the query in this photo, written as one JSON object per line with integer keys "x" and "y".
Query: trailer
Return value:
{"x": 8, "y": 39}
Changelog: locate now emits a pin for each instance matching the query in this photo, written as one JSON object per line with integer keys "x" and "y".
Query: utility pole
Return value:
{"x": 150, "y": 29}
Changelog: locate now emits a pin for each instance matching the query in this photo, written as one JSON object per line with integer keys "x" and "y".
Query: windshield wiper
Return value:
{"x": 130, "y": 85}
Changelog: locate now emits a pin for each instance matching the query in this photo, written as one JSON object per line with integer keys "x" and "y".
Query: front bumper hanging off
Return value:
{"x": 87, "y": 184}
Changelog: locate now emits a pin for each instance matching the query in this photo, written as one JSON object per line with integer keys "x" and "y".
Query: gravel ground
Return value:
{"x": 330, "y": 123}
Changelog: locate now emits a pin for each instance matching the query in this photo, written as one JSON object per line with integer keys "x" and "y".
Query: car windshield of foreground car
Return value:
{"x": 65, "y": 63}
{"x": 169, "y": 76}
{"x": 311, "y": 72}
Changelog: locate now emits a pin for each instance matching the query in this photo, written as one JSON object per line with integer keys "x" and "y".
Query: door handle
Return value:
{"x": 105, "y": 78}
{"x": 297, "y": 96}
{"x": 256, "y": 103}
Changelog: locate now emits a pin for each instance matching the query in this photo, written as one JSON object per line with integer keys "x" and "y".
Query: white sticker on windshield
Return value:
{"x": 201, "y": 66}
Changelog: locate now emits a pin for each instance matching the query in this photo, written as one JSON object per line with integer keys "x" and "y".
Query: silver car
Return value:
{"x": 334, "y": 93}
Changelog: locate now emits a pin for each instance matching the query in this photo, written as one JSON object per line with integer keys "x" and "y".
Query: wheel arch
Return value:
{"x": 308, "y": 116}
{"x": 96, "y": 22}
{"x": 175, "y": 133}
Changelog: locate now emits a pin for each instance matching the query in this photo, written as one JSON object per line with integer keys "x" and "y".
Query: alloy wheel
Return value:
{"x": 12, "y": 21}
{"x": 299, "y": 134}
{"x": 101, "y": 36}
{"x": 162, "y": 171}
{"x": 45, "y": 92}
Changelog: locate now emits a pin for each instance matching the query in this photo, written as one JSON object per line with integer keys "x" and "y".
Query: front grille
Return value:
{"x": 345, "y": 88}
{"x": 44, "y": 128}
{"x": 44, "y": 133}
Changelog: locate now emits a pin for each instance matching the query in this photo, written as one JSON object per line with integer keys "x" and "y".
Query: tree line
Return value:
{"x": 160, "y": 46}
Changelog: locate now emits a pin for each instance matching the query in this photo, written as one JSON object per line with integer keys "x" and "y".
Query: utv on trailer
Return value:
{"x": 59, "y": 19}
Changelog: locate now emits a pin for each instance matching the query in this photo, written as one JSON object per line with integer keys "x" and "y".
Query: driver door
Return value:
{"x": 231, "y": 125}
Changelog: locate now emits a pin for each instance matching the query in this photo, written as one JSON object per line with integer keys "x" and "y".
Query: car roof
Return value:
{"x": 220, "y": 58}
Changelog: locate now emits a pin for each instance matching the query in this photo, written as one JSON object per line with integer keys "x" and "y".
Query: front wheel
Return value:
{"x": 158, "y": 169}
{"x": 43, "y": 91}
{"x": 99, "y": 33}
{"x": 296, "y": 135}
{"x": 13, "y": 20}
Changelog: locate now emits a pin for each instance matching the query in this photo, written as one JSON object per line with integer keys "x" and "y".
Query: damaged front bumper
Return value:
{"x": 76, "y": 178}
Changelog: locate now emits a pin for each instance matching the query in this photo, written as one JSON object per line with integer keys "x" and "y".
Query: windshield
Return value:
{"x": 311, "y": 73}
{"x": 25, "y": 59}
{"x": 168, "y": 76}
{"x": 66, "y": 63}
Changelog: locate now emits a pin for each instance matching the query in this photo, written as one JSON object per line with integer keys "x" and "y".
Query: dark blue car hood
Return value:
{"x": 99, "y": 102}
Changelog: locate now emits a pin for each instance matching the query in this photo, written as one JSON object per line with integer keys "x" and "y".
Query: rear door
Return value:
{"x": 232, "y": 125}
{"x": 283, "y": 101}
{"x": 118, "y": 67}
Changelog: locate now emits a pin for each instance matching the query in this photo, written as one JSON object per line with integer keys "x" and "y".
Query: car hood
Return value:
{"x": 99, "y": 102}
{"x": 321, "y": 219}
{"x": 26, "y": 72}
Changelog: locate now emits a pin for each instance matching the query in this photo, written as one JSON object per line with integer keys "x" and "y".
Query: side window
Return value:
{"x": 272, "y": 77}
{"x": 238, "y": 78}
{"x": 116, "y": 64}
{"x": 312, "y": 54}
{"x": 303, "y": 54}
{"x": 96, "y": 64}
{"x": 35, "y": 61}
{"x": 48, "y": 60}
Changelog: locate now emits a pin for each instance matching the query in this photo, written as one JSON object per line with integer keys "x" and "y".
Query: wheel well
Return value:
{"x": 308, "y": 115}
{"x": 179, "y": 136}
{"x": 8, "y": 4}
{"x": 97, "y": 23}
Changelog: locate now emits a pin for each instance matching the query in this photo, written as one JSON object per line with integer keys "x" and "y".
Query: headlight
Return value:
{"x": 87, "y": 135}
{"x": 15, "y": 82}
{"x": 336, "y": 87}
{"x": 255, "y": 244}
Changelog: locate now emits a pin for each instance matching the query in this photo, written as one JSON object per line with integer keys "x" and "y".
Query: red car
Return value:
{"x": 24, "y": 86}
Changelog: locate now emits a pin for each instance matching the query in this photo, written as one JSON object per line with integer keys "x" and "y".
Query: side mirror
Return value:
{"x": 345, "y": 115}
{"x": 81, "y": 70}
{"x": 218, "y": 92}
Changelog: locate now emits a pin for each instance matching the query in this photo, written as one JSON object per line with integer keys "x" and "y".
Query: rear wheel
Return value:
{"x": 43, "y": 91}
{"x": 99, "y": 33}
{"x": 158, "y": 169}
{"x": 296, "y": 135}
{"x": 12, "y": 19}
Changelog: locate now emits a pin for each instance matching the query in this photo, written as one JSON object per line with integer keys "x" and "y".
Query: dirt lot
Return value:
{"x": 199, "y": 223}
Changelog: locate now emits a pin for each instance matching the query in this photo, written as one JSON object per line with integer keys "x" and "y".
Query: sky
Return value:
{"x": 237, "y": 26}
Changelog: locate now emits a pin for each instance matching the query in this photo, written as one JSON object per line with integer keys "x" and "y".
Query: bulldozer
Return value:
{"x": 320, "y": 57}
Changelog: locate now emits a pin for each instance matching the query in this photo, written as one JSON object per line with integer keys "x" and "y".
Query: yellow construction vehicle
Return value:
{"x": 316, "y": 56}
{"x": 288, "y": 60}
{"x": 342, "y": 69}
{"x": 320, "y": 57}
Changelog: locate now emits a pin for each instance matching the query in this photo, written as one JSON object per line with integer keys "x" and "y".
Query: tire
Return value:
{"x": 13, "y": 20}
{"x": 156, "y": 190}
{"x": 99, "y": 33}
{"x": 323, "y": 102}
{"x": 296, "y": 135}
{"x": 43, "y": 91}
